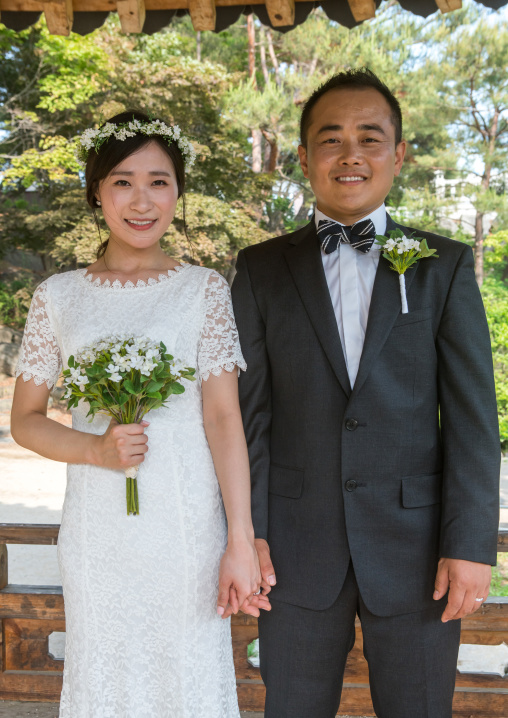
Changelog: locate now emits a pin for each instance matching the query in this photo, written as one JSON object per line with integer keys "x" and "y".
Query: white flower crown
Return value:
{"x": 171, "y": 133}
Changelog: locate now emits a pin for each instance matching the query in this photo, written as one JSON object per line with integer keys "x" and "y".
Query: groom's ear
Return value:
{"x": 400, "y": 152}
{"x": 302, "y": 154}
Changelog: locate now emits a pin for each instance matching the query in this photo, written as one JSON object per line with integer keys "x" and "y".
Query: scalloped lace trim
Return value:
{"x": 39, "y": 380}
{"x": 217, "y": 370}
{"x": 150, "y": 282}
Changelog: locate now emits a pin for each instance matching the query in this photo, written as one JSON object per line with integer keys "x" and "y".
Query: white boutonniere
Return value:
{"x": 403, "y": 252}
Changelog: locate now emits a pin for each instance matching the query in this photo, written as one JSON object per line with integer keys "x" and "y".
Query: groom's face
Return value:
{"x": 351, "y": 155}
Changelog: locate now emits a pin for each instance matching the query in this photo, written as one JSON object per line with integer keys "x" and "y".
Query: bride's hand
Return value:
{"x": 121, "y": 446}
{"x": 239, "y": 574}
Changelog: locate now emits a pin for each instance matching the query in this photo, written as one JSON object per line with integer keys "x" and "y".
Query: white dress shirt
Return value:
{"x": 350, "y": 277}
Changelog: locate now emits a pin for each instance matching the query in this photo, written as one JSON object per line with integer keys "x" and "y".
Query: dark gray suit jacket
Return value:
{"x": 400, "y": 471}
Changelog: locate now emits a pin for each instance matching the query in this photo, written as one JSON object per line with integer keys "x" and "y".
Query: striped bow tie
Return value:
{"x": 360, "y": 235}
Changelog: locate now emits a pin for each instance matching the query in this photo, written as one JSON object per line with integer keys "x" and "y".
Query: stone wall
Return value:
{"x": 10, "y": 341}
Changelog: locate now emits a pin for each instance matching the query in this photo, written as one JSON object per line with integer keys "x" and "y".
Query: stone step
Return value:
{"x": 16, "y": 709}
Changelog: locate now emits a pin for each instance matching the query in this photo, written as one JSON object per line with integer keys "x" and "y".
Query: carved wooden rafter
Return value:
{"x": 132, "y": 15}
{"x": 202, "y": 14}
{"x": 281, "y": 12}
{"x": 449, "y": 5}
{"x": 362, "y": 9}
{"x": 59, "y": 13}
{"x": 59, "y": 16}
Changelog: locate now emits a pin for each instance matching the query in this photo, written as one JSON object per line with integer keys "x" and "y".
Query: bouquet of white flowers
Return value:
{"x": 125, "y": 377}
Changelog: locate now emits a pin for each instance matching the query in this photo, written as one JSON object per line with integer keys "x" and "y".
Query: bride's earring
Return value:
{"x": 99, "y": 204}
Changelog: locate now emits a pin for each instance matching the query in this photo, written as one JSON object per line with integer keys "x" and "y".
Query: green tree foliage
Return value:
{"x": 239, "y": 94}
{"x": 495, "y": 298}
{"x": 472, "y": 86}
{"x": 89, "y": 79}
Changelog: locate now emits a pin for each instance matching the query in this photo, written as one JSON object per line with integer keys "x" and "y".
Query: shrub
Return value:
{"x": 15, "y": 298}
{"x": 495, "y": 298}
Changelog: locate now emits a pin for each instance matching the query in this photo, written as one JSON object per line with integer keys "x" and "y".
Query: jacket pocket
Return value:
{"x": 421, "y": 490}
{"x": 419, "y": 315}
{"x": 285, "y": 481}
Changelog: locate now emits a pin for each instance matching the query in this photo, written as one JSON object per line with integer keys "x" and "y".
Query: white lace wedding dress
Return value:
{"x": 143, "y": 637}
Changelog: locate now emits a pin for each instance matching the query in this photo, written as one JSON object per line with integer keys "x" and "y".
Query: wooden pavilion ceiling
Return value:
{"x": 148, "y": 16}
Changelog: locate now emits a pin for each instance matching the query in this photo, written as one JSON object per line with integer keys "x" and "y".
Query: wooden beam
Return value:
{"x": 362, "y": 9}
{"x": 44, "y": 602}
{"x": 202, "y": 14}
{"x": 449, "y": 5}
{"x": 110, "y": 5}
{"x": 502, "y": 540}
{"x": 59, "y": 16}
{"x": 281, "y": 12}
{"x": 132, "y": 15}
{"x": 39, "y": 534}
{"x": 4, "y": 569}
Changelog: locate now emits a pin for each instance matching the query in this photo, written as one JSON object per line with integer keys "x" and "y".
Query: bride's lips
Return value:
{"x": 141, "y": 225}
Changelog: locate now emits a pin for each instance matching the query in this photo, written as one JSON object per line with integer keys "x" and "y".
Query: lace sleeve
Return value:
{"x": 39, "y": 358}
{"x": 219, "y": 346}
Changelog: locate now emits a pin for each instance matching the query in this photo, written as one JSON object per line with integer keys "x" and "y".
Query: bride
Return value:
{"x": 144, "y": 595}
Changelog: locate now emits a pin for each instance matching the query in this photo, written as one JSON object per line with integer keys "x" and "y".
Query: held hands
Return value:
{"x": 240, "y": 580}
{"x": 468, "y": 584}
{"x": 121, "y": 446}
{"x": 256, "y": 601}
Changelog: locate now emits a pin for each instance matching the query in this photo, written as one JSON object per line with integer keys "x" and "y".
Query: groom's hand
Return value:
{"x": 266, "y": 566}
{"x": 467, "y": 583}
{"x": 252, "y": 605}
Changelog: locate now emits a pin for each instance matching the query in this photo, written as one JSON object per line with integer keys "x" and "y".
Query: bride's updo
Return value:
{"x": 100, "y": 163}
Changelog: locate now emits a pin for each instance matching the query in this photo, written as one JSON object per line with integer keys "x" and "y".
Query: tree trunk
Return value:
{"x": 487, "y": 173}
{"x": 273, "y": 57}
{"x": 257, "y": 159}
{"x": 313, "y": 65}
{"x": 198, "y": 45}
{"x": 271, "y": 152}
{"x": 262, "y": 54}
{"x": 267, "y": 152}
{"x": 251, "y": 39}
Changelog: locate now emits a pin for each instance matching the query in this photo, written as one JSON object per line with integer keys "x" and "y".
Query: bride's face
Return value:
{"x": 139, "y": 197}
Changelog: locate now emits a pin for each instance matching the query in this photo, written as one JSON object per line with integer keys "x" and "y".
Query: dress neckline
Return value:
{"x": 163, "y": 277}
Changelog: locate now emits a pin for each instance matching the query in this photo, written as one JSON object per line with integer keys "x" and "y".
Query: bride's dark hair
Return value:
{"x": 100, "y": 164}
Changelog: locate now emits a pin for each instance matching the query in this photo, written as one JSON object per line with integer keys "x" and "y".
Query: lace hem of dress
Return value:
{"x": 150, "y": 282}
{"x": 38, "y": 379}
{"x": 217, "y": 370}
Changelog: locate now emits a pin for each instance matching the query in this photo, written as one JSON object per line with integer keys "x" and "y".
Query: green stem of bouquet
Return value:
{"x": 132, "y": 496}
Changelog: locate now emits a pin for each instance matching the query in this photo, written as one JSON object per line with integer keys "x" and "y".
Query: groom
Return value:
{"x": 372, "y": 434}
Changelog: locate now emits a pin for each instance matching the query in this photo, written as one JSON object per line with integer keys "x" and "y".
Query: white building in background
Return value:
{"x": 461, "y": 212}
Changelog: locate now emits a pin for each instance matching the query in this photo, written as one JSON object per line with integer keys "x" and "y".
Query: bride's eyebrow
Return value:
{"x": 151, "y": 173}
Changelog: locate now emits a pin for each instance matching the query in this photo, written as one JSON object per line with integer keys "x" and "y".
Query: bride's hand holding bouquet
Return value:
{"x": 125, "y": 378}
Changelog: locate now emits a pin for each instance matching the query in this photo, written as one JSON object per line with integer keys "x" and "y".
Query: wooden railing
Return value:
{"x": 29, "y": 614}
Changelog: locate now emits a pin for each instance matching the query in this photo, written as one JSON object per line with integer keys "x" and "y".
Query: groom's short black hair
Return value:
{"x": 362, "y": 78}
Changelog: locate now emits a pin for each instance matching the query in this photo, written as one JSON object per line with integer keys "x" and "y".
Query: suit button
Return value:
{"x": 351, "y": 424}
{"x": 351, "y": 485}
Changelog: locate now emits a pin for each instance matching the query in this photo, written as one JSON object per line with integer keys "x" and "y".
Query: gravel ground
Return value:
{"x": 12, "y": 709}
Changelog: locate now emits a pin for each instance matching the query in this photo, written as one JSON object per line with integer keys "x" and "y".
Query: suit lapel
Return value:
{"x": 304, "y": 261}
{"x": 385, "y": 307}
